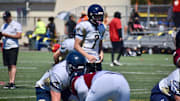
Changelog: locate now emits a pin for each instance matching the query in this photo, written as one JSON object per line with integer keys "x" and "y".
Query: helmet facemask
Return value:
{"x": 97, "y": 19}
{"x": 76, "y": 70}
{"x": 95, "y": 14}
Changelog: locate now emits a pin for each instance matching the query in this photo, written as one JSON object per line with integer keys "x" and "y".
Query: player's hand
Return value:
{"x": 91, "y": 58}
{"x": 101, "y": 56}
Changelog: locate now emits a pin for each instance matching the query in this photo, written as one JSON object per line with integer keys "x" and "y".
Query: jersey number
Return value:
{"x": 96, "y": 38}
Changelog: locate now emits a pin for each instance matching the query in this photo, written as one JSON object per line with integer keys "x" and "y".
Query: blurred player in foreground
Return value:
{"x": 89, "y": 35}
{"x": 177, "y": 52}
{"x": 58, "y": 70}
{"x": 96, "y": 86}
{"x": 168, "y": 89}
{"x": 59, "y": 78}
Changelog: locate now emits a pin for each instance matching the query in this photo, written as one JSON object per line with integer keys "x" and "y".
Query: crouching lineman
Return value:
{"x": 168, "y": 88}
{"x": 58, "y": 70}
{"x": 96, "y": 86}
{"x": 59, "y": 78}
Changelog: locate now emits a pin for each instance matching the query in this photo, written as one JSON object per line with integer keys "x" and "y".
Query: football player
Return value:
{"x": 89, "y": 35}
{"x": 177, "y": 52}
{"x": 96, "y": 86}
{"x": 167, "y": 89}
{"x": 42, "y": 85}
{"x": 59, "y": 78}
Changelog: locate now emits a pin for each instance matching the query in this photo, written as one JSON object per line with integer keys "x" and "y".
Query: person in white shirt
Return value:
{"x": 10, "y": 32}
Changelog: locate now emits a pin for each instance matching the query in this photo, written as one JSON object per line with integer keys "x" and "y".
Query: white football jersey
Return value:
{"x": 67, "y": 45}
{"x": 90, "y": 37}
{"x": 97, "y": 86}
{"x": 171, "y": 83}
{"x": 58, "y": 74}
{"x": 59, "y": 77}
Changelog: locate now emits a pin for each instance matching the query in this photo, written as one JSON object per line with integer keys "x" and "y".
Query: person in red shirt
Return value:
{"x": 115, "y": 30}
{"x": 176, "y": 12}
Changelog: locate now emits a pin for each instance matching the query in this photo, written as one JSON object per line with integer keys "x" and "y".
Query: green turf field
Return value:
{"x": 141, "y": 72}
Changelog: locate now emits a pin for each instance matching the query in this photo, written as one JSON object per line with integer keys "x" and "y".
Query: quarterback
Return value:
{"x": 89, "y": 35}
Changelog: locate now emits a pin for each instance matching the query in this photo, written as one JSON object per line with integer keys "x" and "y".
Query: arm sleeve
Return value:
{"x": 176, "y": 57}
{"x": 120, "y": 33}
{"x": 1, "y": 28}
{"x": 18, "y": 28}
{"x": 80, "y": 31}
{"x": 55, "y": 84}
{"x": 119, "y": 28}
{"x": 63, "y": 47}
{"x": 174, "y": 82}
{"x": 102, "y": 30}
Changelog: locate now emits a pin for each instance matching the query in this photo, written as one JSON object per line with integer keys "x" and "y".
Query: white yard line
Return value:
{"x": 142, "y": 64}
{"x": 145, "y": 73}
{"x": 18, "y": 97}
{"x": 24, "y": 61}
{"x": 2, "y": 67}
{"x": 139, "y": 89}
{"x": 135, "y": 93}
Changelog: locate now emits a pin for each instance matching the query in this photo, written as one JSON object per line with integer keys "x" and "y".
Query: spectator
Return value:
{"x": 130, "y": 26}
{"x": 70, "y": 25}
{"x": 134, "y": 14}
{"x": 105, "y": 21}
{"x": 51, "y": 29}
{"x": 153, "y": 23}
{"x": 137, "y": 26}
{"x": 40, "y": 31}
{"x": 83, "y": 17}
{"x": 162, "y": 25}
{"x": 176, "y": 12}
{"x": 40, "y": 28}
{"x": 11, "y": 32}
{"x": 115, "y": 29}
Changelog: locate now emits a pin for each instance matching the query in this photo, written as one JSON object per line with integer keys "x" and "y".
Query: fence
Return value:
{"x": 151, "y": 19}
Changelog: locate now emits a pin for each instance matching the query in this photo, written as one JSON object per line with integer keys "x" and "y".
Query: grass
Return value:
{"x": 142, "y": 73}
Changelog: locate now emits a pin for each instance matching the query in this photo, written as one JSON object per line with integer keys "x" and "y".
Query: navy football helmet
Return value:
{"x": 178, "y": 39}
{"x": 75, "y": 63}
{"x": 95, "y": 14}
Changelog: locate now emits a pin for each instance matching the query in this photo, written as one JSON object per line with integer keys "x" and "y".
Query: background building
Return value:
{"x": 27, "y": 11}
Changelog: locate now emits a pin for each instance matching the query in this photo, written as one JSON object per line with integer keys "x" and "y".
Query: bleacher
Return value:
{"x": 163, "y": 40}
